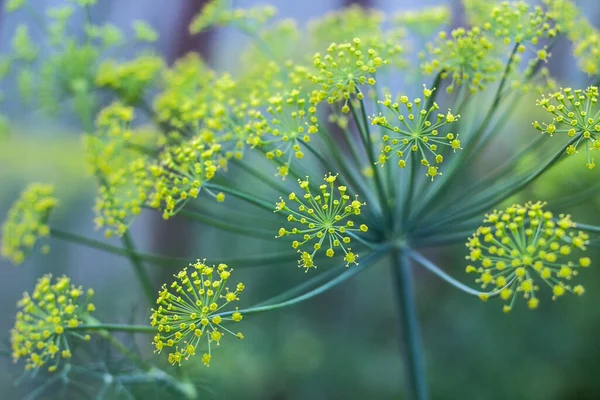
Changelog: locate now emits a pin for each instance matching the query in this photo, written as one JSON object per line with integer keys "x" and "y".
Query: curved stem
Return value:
{"x": 243, "y": 196}
{"x": 409, "y": 324}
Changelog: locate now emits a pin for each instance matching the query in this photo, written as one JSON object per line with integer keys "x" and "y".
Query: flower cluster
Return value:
{"x": 188, "y": 311}
{"x": 341, "y": 26}
{"x": 182, "y": 172}
{"x": 519, "y": 22}
{"x": 44, "y": 321}
{"x": 130, "y": 79}
{"x": 416, "y": 133}
{"x": 219, "y": 13}
{"x": 323, "y": 219}
{"x": 343, "y": 69}
{"x": 574, "y": 113}
{"x": 522, "y": 244}
{"x": 466, "y": 58}
{"x": 290, "y": 121}
{"x": 27, "y": 222}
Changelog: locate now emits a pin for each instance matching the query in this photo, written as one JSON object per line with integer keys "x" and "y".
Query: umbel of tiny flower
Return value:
{"x": 323, "y": 220}
{"x": 220, "y": 13}
{"x": 466, "y": 58}
{"x": 181, "y": 174}
{"x": 290, "y": 121}
{"x": 345, "y": 66}
{"x": 574, "y": 113}
{"x": 519, "y": 247}
{"x": 43, "y": 324}
{"x": 414, "y": 132}
{"x": 27, "y": 222}
{"x": 187, "y": 311}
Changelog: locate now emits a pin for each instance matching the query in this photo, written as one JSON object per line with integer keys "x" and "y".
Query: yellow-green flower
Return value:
{"x": 466, "y": 57}
{"x": 576, "y": 114}
{"x": 219, "y": 13}
{"x": 43, "y": 324}
{"x": 425, "y": 21}
{"x": 324, "y": 221}
{"x": 343, "y": 69}
{"x": 517, "y": 248}
{"x": 188, "y": 311}
{"x": 291, "y": 120}
{"x": 414, "y": 132}
{"x": 27, "y": 222}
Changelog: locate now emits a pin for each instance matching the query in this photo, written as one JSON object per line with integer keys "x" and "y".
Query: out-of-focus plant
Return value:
{"x": 396, "y": 167}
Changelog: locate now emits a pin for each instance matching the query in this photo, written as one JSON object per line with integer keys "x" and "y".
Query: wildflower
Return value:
{"x": 27, "y": 222}
{"x": 291, "y": 120}
{"x": 518, "y": 247}
{"x": 218, "y": 13}
{"x": 574, "y": 113}
{"x": 131, "y": 79}
{"x": 425, "y": 21}
{"x": 181, "y": 173}
{"x": 343, "y": 69}
{"x": 144, "y": 32}
{"x": 188, "y": 311}
{"x": 14, "y": 5}
{"x": 466, "y": 58}
{"x": 324, "y": 221}
{"x": 44, "y": 322}
{"x": 22, "y": 45}
{"x": 416, "y": 134}
{"x": 354, "y": 21}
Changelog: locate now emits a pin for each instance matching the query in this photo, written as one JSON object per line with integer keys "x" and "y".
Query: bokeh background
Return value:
{"x": 341, "y": 345}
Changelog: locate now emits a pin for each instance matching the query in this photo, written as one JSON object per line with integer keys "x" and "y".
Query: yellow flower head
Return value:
{"x": 466, "y": 58}
{"x": 344, "y": 68}
{"x": 219, "y": 13}
{"x": 575, "y": 113}
{"x": 521, "y": 246}
{"x": 181, "y": 174}
{"x": 27, "y": 222}
{"x": 324, "y": 221}
{"x": 45, "y": 320}
{"x": 291, "y": 120}
{"x": 412, "y": 131}
{"x": 188, "y": 311}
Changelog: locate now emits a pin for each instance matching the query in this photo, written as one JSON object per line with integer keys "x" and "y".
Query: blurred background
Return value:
{"x": 341, "y": 345}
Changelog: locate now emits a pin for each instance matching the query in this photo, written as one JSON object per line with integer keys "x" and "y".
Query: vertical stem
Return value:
{"x": 414, "y": 368}
{"x": 138, "y": 267}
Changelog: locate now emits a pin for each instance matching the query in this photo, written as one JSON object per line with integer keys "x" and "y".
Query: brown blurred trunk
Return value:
{"x": 175, "y": 237}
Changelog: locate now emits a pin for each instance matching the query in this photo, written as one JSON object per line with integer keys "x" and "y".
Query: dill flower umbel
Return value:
{"x": 523, "y": 245}
{"x": 575, "y": 113}
{"x": 290, "y": 121}
{"x": 343, "y": 69}
{"x": 27, "y": 222}
{"x": 425, "y": 21}
{"x": 416, "y": 133}
{"x": 466, "y": 57}
{"x": 43, "y": 324}
{"x": 219, "y": 13}
{"x": 188, "y": 311}
{"x": 324, "y": 221}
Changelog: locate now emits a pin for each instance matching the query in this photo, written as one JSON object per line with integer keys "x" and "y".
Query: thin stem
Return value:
{"x": 349, "y": 273}
{"x": 238, "y": 228}
{"x": 243, "y": 196}
{"x": 90, "y": 326}
{"x": 414, "y": 366}
{"x": 138, "y": 267}
{"x": 587, "y": 228}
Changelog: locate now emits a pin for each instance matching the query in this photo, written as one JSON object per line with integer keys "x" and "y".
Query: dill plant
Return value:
{"x": 382, "y": 172}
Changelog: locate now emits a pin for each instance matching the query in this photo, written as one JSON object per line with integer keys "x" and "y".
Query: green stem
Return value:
{"x": 407, "y": 203}
{"x": 138, "y": 266}
{"x": 243, "y": 196}
{"x": 93, "y": 327}
{"x": 409, "y": 324}
{"x": 238, "y": 229}
{"x": 587, "y": 228}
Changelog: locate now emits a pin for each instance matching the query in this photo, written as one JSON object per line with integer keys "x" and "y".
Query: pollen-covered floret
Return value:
{"x": 412, "y": 131}
{"x": 576, "y": 114}
{"x": 345, "y": 67}
{"x": 44, "y": 322}
{"x": 181, "y": 174}
{"x": 519, "y": 247}
{"x": 324, "y": 221}
{"x": 27, "y": 222}
{"x": 220, "y": 13}
{"x": 290, "y": 121}
{"x": 466, "y": 57}
{"x": 188, "y": 311}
